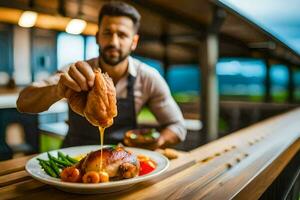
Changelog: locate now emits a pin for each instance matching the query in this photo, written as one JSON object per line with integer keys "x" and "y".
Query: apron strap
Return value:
{"x": 130, "y": 97}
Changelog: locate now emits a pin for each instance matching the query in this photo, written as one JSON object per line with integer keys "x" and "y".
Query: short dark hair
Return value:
{"x": 118, "y": 8}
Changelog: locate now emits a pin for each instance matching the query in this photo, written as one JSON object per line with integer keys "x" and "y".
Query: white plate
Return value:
{"x": 34, "y": 169}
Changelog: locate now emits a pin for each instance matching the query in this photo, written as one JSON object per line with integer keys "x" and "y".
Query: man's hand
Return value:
{"x": 80, "y": 77}
{"x": 87, "y": 89}
{"x": 167, "y": 138}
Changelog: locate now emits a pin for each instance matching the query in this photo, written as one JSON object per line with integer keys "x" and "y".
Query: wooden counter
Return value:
{"x": 242, "y": 165}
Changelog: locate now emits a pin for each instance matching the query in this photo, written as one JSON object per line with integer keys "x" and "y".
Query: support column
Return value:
{"x": 291, "y": 85}
{"x": 165, "y": 60}
{"x": 208, "y": 58}
{"x": 209, "y": 86}
{"x": 268, "y": 96}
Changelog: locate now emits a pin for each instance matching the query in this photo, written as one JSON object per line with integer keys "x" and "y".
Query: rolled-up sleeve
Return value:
{"x": 163, "y": 106}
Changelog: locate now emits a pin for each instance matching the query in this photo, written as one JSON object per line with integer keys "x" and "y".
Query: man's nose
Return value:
{"x": 115, "y": 40}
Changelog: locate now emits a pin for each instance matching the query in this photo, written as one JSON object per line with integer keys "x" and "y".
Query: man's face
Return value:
{"x": 116, "y": 39}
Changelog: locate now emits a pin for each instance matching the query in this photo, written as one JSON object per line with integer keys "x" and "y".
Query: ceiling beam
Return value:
{"x": 169, "y": 14}
{"x": 183, "y": 19}
{"x": 30, "y": 6}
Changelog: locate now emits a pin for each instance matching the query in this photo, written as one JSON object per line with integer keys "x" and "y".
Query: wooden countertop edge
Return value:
{"x": 274, "y": 137}
{"x": 260, "y": 183}
{"x": 263, "y": 130}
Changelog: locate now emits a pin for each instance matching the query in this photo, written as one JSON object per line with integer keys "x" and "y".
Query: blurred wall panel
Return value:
{"x": 22, "y": 72}
{"x": 43, "y": 53}
{"x": 6, "y": 53}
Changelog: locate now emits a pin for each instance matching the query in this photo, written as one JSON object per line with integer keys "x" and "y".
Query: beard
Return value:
{"x": 111, "y": 59}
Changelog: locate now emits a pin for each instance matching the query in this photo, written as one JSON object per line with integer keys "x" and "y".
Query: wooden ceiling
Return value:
{"x": 174, "y": 29}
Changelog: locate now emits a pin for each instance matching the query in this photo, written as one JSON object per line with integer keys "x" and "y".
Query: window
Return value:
{"x": 184, "y": 82}
{"x": 297, "y": 84}
{"x": 92, "y": 50}
{"x": 70, "y": 48}
{"x": 241, "y": 77}
{"x": 279, "y": 83}
{"x": 6, "y": 53}
{"x": 153, "y": 63}
{"x": 184, "y": 78}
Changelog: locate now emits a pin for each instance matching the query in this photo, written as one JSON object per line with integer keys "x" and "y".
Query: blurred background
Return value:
{"x": 257, "y": 67}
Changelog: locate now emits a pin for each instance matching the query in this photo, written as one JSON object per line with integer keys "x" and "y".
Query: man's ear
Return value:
{"x": 97, "y": 38}
{"x": 135, "y": 42}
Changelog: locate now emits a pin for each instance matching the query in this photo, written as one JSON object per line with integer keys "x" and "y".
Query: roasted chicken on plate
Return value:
{"x": 117, "y": 164}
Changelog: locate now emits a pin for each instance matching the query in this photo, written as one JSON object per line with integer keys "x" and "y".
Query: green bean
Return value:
{"x": 66, "y": 158}
{"x": 41, "y": 160}
{"x": 61, "y": 162}
{"x": 72, "y": 160}
{"x": 60, "y": 166}
{"x": 47, "y": 168}
{"x": 54, "y": 167}
{"x": 61, "y": 156}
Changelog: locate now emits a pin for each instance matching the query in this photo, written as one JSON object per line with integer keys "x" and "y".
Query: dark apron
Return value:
{"x": 81, "y": 132}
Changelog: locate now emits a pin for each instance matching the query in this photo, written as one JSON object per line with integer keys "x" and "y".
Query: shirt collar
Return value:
{"x": 131, "y": 66}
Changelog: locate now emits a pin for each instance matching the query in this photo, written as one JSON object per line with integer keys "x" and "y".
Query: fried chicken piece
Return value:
{"x": 98, "y": 105}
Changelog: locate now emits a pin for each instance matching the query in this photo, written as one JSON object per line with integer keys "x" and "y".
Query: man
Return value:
{"x": 136, "y": 84}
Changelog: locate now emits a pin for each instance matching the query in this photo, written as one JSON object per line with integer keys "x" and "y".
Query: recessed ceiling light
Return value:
{"x": 76, "y": 26}
{"x": 28, "y": 19}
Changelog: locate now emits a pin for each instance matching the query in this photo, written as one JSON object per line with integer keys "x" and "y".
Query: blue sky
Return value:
{"x": 279, "y": 17}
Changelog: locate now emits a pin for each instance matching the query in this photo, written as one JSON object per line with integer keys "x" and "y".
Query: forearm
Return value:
{"x": 35, "y": 99}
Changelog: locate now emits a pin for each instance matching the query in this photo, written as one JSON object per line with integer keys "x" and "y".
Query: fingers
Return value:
{"x": 66, "y": 80}
{"x": 87, "y": 71}
{"x": 78, "y": 77}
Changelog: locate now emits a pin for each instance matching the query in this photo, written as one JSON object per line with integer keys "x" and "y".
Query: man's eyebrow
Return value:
{"x": 122, "y": 31}
{"x": 106, "y": 29}
{"x": 119, "y": 30}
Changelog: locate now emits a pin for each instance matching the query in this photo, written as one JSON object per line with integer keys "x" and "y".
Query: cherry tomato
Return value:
{"x": 146, "y": 166}
{"x": 70, "y": 174}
